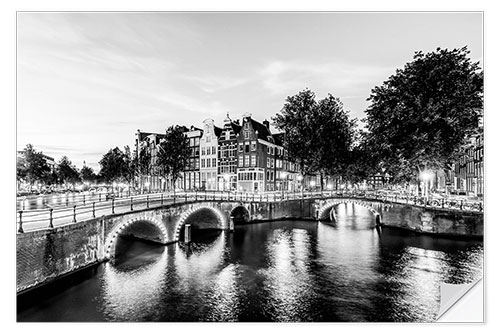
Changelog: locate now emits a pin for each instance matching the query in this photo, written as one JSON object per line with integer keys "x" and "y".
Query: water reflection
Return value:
{"x": 129, "y": 286}
{"x": 277, "y": 271}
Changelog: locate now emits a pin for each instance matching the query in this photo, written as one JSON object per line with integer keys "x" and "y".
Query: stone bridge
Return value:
{"x": 44, "y": 255}
{"x": 325, "y": 209}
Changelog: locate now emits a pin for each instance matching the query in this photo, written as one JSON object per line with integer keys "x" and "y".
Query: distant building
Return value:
{"x": 227, "y": 155}
{"x": 150, "y": 141}
{"x": 209, "y": 144}
{"x": 191, "y": 179}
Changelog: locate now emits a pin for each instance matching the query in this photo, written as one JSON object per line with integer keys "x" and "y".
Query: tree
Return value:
{"x": 421, "y": 116}
{"x": 114, "y": 166}
{"x": 296, "y": 121}
{"x": 142, "y": 164}
{"x": 32, "y": 166}
{"x": 318, "y": 135}
{"x": 87, "y": 174}
{"x": 173, "y": 154}
{"x": 334, "y": 137}
{"x": 67, "y": 172}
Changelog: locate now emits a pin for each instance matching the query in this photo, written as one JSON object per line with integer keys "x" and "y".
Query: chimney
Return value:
{"x": 266, "y": 123}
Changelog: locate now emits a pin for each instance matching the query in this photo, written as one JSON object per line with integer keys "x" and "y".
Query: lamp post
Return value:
{"x": 313, "y": 184}
{"x": 426, "y": 176}
{"x": 283, "y": 176}
{"x": 300, "y": 178}
{"x": 330, "y": 187}
{"x": 226, "y": 180}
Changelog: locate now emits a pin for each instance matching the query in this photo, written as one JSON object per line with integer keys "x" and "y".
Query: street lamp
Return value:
{"x": 283, "y": 177}
{"x": 426, "y": 176}
{"x": 299, "y": 178}
{"x": 226, "y": 180}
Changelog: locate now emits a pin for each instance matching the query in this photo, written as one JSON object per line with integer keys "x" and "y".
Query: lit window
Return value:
{"x": 254, "y": 160}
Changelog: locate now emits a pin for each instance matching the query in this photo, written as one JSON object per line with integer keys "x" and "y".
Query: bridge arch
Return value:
{"x": 111, "y": 239}
{"x": 326, "y": 211}
{"x": 240, "y": 214}
{"x": 221, "y": 218}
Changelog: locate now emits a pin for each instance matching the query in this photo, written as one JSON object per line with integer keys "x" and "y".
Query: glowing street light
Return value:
{"x": 426, "y": 176}
{"x": 226, "y": 180}
{"x": 283, "y": 176}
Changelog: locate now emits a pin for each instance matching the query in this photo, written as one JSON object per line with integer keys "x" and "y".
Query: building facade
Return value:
{"x": 209, "y": 144}
{"x": 191, "y": 176}
{"x": 228, "y": 156}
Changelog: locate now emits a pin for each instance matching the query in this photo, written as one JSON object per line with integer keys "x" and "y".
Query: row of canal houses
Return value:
{"x": 242, "y": 156}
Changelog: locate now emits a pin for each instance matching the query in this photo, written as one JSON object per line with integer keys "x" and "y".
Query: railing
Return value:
{"x": 56, "y": 215}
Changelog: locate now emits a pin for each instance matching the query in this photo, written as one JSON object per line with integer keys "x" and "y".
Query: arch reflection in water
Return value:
{"x": 124, "y": 291}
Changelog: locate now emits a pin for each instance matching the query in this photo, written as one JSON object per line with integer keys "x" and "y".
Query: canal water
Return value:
{"x": 273, "y": 271}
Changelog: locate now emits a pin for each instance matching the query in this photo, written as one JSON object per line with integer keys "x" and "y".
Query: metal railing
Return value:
{"x": 86, "y": 209}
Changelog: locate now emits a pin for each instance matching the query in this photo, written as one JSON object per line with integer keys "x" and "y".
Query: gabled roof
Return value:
{"x": 217, "y": 131}
{"x": 143, "y": 135}
{"x": 279, "y": 138}
{"x": 236, "y": 127}
{"x": 263, "y": 132}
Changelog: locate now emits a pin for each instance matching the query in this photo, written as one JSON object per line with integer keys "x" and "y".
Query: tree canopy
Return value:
{"x": 421, "y": 116}
{"x": 115, "y": 166}
{"x": 32, "y": 165}
{"x": 87, "y": 174}
{"x": 67, "y": 172}
{"x": 173, "y": 153}
{"x": 318, "y": 135}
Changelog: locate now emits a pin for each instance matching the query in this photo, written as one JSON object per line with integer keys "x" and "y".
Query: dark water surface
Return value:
{"x": 276, "y": 271}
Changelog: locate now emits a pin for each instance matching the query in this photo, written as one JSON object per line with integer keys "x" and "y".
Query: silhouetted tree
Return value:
{"x": 67, "y": 172}
{"x": 173, "y": 154}
{"x": 421, "y": 116}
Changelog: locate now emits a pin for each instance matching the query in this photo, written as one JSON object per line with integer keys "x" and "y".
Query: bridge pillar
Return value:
{"x": 377, "y": 220}
{"x": 187, "y": 233}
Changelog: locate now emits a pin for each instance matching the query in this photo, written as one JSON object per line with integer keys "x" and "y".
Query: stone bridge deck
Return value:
{"x": 84, "y": 238}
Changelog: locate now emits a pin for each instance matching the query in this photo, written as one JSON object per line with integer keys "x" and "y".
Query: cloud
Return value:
{"x": 282, "y": 77}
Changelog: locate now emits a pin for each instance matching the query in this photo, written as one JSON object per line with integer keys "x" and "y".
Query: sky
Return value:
{"x": 86, "y": 82}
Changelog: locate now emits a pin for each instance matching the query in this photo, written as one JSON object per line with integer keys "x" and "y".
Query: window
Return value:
{"x": 202, "y": 150}
{"x": 254, "y": 145}
{"x": 240, "y": 147}
{"x": 214, "y": 162}
{"x": 202, "y": 162}
{"x": 213, "y": 150}
{"x": 247, "y": 160}
{"x": 208, "y": 163}
{"x": 272, "y": 162}
{"x": 196, "y": 141}
{"x": 247, "y": 134}
{"x": 254, "y": 160}
{"x": 247, "y": 147}
{"x": 247, "y": 125}
{"x": 240, "y": 161}
{"x": 268, "y": 162}
{"x": 191, "y": 142}
{"x": 227, "y": 134}
{"x": 209, "y": 138}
